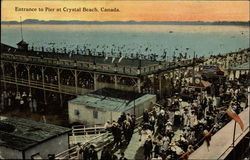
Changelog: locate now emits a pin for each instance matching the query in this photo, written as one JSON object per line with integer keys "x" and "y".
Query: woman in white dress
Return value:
{"x": 144, "y": 135}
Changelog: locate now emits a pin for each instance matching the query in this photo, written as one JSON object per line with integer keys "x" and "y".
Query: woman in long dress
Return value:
{"x": 144, "y": 135}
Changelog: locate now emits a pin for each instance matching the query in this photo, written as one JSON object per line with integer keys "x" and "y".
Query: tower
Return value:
{"x": 22, "y": 45}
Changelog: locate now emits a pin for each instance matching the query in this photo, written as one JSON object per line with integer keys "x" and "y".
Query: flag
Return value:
{"x": 120, "y": 59}
{"x": 106, "y": 58}
{"x": 113, "y": 59}
{"x": 208, "y": 136}
{"x": 184, "y": 156}
{"x": 234, "y": 116}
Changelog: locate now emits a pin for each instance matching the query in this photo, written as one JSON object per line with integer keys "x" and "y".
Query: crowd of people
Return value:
{"x": 178, "y": 127}
{"x": 84, "y": 79}
{"x": 138, "y": 52}
{"x": 17, "y": 100}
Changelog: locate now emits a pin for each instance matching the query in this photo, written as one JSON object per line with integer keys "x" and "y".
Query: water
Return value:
{"x": 114, "y": 40}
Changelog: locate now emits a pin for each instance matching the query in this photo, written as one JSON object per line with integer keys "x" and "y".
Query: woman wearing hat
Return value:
{"x": 148, "y": 146}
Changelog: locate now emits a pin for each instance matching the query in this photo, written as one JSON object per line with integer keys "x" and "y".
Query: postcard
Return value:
{"x": 123, "y": 79}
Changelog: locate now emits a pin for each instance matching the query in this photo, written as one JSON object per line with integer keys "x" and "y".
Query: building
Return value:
{"x": 27, "y": 139}
{"x": 73, "y": 74}
{"x": 107, "y": 104}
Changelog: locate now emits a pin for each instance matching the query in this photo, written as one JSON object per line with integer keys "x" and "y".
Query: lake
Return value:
{"x": 125, "y": 40}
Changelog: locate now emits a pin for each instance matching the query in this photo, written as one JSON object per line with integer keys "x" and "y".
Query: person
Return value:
{"x": 106, "y": 155}
{"x": 144, "y": 135}
{"x": 152, "y": 121}
{"x": 107, "y": 126}
{"x": 86, "y": 152}
{"x": 79, "y": 151}
{"x": 34, "y": 105}
{"x": 157, "y": 148}
{"x": 145, "y": 116}
{"x": 126, "y": 131}
{"x": 93, "y": 153}
{"x": 148, "y": 146}
{"x": 161, "y": 121}
{"x": 164, "y": 147}
{"x": 114, "y": 157}
{"x": 116, "y": 132}
{"x": 123, "y": 157}
{"x": 157, "y": 157}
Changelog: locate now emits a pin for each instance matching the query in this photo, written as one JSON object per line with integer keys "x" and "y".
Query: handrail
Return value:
{"x": 74, "y": 147}
{"x": 102, "y": 135}
{"x": 234, "y": 141}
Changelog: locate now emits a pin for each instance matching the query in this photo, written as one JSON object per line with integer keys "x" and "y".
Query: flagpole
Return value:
{"x": 234, "y": 138}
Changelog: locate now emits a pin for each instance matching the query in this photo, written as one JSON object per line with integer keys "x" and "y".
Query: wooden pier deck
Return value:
{"x": 221, "y": 142}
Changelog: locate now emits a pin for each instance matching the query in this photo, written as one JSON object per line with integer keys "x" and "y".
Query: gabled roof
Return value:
{"x": 27, "y": 133}
{"x": 22, "y": 42}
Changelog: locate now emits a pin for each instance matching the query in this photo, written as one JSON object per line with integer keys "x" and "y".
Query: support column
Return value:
{"x": 95, "y": 81}
{"x": 116, "y": 82}
{"x": 139, "y": 85}
{"x": 59, "y": 86}
{"x": 4, "y": 84}
{"x": 44, "y": 92}
{"x": 15, "y": 69}
{"x": 28, "y": 69}
{"x": 160, "y": 85}
{"x": 76, "y": 81}
{"x": 234, "y": 74}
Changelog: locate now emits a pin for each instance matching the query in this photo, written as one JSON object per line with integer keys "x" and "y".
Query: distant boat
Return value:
{"x": 171, "y": 32}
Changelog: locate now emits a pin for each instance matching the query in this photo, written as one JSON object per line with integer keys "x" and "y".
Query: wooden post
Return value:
{"x": 116, "y": 82}
{"x": 59, "y": 86}
{"x": 28, "y": 69}
{"x": 95, "y": 81}
{"x": 44, "y": 92}
{"x": 160, "y": 85}
{"x": 139, "y": 84}
{"x": 15, "y": 69}
{"x": 3, "y": 74}
{"x": 76, "y": 82}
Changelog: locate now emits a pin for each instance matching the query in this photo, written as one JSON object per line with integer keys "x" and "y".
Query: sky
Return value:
{"x": 171, "y": 10}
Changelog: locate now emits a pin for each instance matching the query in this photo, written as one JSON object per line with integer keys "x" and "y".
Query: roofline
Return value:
{"x": 38, "y": 142}
{"x": 26, "y": 148}
{"x": 131, "y": 106}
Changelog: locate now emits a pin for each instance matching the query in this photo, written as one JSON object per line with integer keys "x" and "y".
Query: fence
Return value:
{"x": 101, "y": 138}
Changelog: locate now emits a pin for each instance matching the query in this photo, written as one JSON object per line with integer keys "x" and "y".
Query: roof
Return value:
{"x": 22, "y": 42}
{"x": 21, "y": 134}
{"x": 116, "y": 93}
{"x": 87, "y": 58}
{"x": 108, "y": 102}
{"x": 5, "y": 47}
{"x": 244, "y": 66}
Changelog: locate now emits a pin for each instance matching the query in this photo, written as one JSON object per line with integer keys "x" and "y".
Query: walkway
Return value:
{"x": 222, "y": 140}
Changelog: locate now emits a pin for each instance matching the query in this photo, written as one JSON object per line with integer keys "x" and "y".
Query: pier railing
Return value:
{"x": 100, "y": 140}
